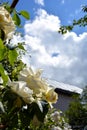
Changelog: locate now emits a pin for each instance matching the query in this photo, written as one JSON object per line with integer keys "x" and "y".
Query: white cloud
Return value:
{"x": 70, "y": 63}
{"x": 41, "y": 2}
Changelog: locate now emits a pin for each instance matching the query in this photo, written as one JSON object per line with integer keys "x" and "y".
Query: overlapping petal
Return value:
{"x": 41, "y": 89}
{"x": 33, "y": 80}
{"x": 22, "y": 90}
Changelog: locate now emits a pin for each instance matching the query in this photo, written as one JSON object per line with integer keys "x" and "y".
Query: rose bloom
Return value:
{"x": 33, "y": 80}
{"x": 51, "y": 96}
{"x": 39, "y": 86}
{"x": 6, "y": 23}
{"x": 22, "y": 90}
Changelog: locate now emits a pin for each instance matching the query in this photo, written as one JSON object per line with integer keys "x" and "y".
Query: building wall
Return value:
{"x": 63, "y": 101}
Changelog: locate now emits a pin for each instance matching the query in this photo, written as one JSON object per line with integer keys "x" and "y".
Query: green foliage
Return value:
{"x": 84, "y": 96}
{"x": 17, "y": 112}
{"x": 40, "y": 110}
{"x": 12, "y": 56}
{"x": 3, "y": 50}
{"x": 77, "y": 114}
{"x": 7, "y": 6}
{"x": 25, "y": 14}
{"x": 3, "y": 75}
{"x": 54, "y": 120}
{"x": 9, "y": 61}
{"x": 20, "y": 46}
{"x": 84, "y": 8}
{"x": 14, "y": 112}
{"x": 16, "y": 18}
{"x": 65, "y": 29}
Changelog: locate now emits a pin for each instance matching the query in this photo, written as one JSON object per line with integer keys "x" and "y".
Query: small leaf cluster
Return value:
{"x": 17, "y": 114}
{"x": 9, "y": 61}
{"x": 16, "y": 17}
{"x": 82, "y": 22}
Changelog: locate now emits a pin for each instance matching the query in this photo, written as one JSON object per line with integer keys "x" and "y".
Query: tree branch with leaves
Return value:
{"x": 82, "y": 22}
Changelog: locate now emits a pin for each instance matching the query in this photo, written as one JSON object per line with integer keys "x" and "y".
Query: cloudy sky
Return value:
{"x": 62, "y": 57}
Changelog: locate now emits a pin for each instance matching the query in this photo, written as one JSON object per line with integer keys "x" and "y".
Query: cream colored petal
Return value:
{"x": 38, "y": 73}
{"x": 22, "y": 78}
{"x": 24, "y": 72}
{"x": 51, "y": 96}
{"x": 6, "y": 23}
{"x": 20, "y": 88}
{"x": 30, "y": 71}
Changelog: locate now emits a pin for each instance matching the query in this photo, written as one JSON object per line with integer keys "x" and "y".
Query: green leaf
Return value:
{"x": 12, "y": 56}
{"x": 2, "y": 50}
{"x": 40, "y": 109}
{"x": 25, "y": 14}
{"x": 25, "y": 117}
{"x": 20, "y": 46}
{"x": 1, "y": 44}
{"x": 16, "y": 18}
{"x": 3, "y": 75}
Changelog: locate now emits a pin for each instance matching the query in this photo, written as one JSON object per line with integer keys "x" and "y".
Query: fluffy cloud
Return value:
{"x": 62, "y": 57}
{"x": 41, "y": 2}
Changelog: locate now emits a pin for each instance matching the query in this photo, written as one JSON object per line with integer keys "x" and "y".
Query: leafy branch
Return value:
{"x": 82, "y": 22}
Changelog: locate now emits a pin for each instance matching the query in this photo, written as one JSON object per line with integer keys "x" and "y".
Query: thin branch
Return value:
{"x": 13, "y": 5}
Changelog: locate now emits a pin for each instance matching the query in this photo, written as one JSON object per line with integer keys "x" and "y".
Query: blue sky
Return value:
{"x": 62, "y": 57}
{"x": 66, "y": 10}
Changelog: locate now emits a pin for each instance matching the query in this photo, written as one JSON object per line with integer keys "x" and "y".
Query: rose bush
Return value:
{"x": 25, "y": 97}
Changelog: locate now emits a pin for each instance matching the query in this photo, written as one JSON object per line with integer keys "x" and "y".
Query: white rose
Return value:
{"x": 34, "y": 80}
{"x": 39, "y": 86}
{"x": 6, "y": 23}
{"x": 22, "y": 90}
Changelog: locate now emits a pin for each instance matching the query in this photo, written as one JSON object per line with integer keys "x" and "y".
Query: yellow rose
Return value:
{"x": 51, "y": 96}
{"x": 6, "y": 23}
